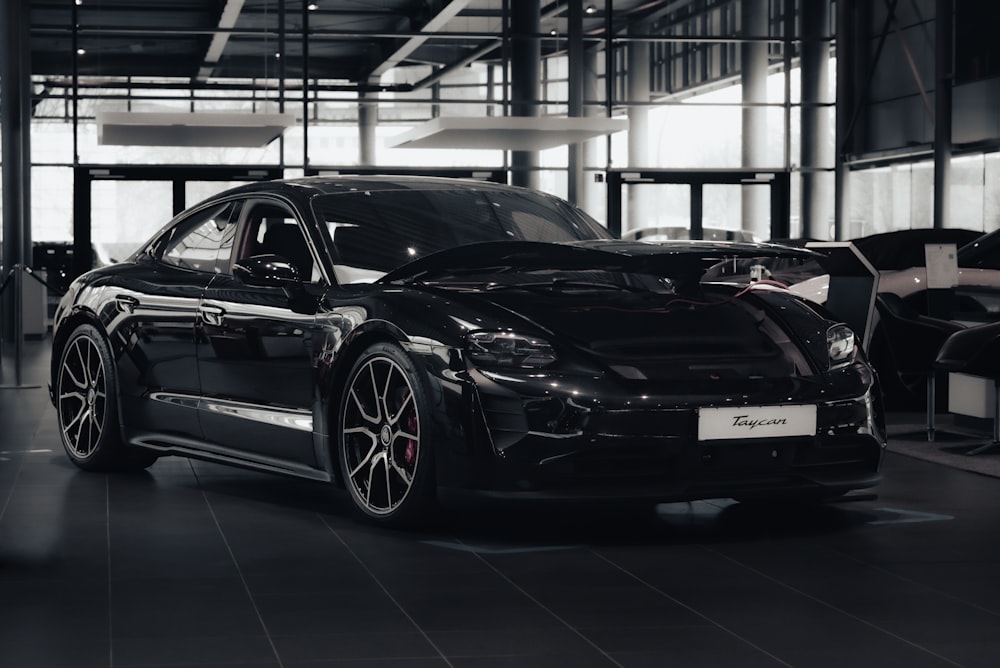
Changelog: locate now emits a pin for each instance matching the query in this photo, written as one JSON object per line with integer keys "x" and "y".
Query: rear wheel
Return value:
{"x": 384, "y": 438}
{"x": 86, "y": 403}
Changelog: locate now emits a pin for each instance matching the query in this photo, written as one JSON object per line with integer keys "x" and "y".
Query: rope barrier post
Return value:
{"x": 18, "y": 322}
{"x": 3, "y": 337}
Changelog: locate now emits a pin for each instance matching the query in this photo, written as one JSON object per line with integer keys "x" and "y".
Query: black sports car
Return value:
{"x": 406, "y": 337}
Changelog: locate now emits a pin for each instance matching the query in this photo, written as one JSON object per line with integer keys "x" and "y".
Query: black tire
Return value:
{"x": 86, "y": 392}
{"x": 384, "y": 438}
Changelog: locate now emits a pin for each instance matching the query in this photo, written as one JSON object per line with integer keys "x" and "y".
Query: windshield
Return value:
{"x": 377, "y": 231}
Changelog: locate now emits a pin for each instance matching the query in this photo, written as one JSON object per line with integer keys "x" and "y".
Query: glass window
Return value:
{"x": 272, "y": 229}
{"x": 203, "y": 242}
{"x": 380, "y": 230}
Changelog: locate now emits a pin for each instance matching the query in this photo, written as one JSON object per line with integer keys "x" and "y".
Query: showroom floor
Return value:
{"x": 193, "y": 564}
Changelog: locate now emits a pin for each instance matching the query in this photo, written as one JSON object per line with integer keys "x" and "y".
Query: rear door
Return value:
{"x": 158, "y": 308}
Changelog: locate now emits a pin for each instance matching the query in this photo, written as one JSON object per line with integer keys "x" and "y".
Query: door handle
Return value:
{"x": 126, "y": 303}
{"x": 212, "y": 314}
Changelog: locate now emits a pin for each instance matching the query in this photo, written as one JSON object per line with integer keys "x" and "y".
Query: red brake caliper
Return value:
{"x": 410, "y": 456}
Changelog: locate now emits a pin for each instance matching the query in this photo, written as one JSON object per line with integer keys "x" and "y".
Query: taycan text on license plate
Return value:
{"x": 743, "y": 422}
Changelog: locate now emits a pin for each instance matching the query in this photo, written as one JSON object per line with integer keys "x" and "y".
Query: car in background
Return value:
{"x": 900, "y": 260}
{"x": 415, "y": 338}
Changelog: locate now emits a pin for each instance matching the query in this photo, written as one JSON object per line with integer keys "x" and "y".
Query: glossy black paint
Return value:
{"x": 243, "y": 365}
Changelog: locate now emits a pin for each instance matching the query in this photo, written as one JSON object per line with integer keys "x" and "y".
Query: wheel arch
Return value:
{"x": 357, "y": 342}
{"x": 69, "y": 324}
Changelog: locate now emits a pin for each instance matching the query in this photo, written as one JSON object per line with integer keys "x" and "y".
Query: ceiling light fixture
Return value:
{"x": 312, "y": 6}
{"x": 81, "y": 52}
{"x": 591, "y": 9}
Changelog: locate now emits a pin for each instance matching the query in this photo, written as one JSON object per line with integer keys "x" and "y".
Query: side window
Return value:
{"x": 203, "y": 242}
{"x": 272, "y": 229}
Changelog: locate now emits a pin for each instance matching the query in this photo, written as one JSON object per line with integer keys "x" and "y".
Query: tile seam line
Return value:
{"x": 692, "y": 609}
{"x": 385, "y": 590}
{"x": 916, "y": 583}
{"x": 236, "y": 565}
{"x": 107, "y": 546}
{"x": 541, "y": 605}
{"x": 13, "y": 486}
{"x": 833, "y": 607}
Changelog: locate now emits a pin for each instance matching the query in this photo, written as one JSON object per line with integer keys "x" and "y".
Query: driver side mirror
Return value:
{"x": 267, "y": 271}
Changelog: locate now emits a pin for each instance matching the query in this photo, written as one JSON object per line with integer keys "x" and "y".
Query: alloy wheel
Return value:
{"x": 381, "y": 435}
{"x": 82, "y": 397}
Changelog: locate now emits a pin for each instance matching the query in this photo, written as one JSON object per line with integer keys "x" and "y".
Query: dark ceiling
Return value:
{"x": 349, "y": 40}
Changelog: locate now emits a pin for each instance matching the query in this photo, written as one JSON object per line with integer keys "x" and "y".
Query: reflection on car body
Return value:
{"x": 410, "y": 338}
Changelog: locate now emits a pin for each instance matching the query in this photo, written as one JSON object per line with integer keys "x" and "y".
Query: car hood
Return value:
{"x": 677, "y": 259}
{"x": 636, "y": 333}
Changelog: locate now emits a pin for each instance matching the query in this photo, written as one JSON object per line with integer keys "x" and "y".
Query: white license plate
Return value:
{"x": 745, "y": 422}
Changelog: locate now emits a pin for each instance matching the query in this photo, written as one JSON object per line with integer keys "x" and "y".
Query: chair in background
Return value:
{"x": 976, "y": 351}
{"x": 913, "y": 342}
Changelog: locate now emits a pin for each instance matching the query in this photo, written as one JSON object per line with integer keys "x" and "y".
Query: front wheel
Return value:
{"x": 87, "y": 407}
{"x": 384, "y": 438}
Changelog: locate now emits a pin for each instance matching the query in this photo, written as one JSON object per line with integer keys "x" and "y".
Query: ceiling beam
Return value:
{"x": 434, "y": 25}
{"x": 227, "y": 21}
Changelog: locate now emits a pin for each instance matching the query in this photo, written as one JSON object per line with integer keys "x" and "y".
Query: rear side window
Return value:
{"x": 204, "y": 241}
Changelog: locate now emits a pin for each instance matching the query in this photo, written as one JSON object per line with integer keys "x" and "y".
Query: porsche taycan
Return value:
{"x": 413, "y": 339}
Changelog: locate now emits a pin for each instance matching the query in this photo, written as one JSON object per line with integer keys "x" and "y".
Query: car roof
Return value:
{"x": 901, "y": 249}
{"x": 339, "y": 184}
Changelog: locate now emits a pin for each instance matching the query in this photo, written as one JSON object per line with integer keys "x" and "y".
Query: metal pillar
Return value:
{"x": 525, "y": 70}
{"x": 591, "y": 197}
{"x": 753, "y": 75}
{"x": 846, "y": 100}
{"x": 367, "y": 120}
{"x": 305, "y": 85}
{"x": 815, "y": 154}
{"x": 15, "y": 125}
{"x": 640, "y": 213}
{"x": 943, "y": 75}
{"x": 577, "y": 68}
{"x": 82, "y": 223}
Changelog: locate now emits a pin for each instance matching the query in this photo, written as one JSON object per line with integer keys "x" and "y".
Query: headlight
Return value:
{"x": 840, "y": 345}
{"x": 509, "y": 350}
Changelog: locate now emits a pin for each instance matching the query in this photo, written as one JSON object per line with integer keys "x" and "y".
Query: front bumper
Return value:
{"x": 544, "y": 435}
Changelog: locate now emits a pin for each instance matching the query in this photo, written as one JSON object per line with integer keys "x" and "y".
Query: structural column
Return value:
{"x": 591, "y": 198}
{"x": 815, "y": 156}
{"x": 847, "y": 52}
{"x": 367, "y": 120}
{"x": 525, "y": 71}
{"x": 944, "y": 79}
{"x": 577, "y": 73}
{"x": 753, "y": 75}
{"x": 15, "y": 127}
{"x": 640, "y": 213}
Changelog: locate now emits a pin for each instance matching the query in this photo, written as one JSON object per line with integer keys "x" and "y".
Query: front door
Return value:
{"x": 256, "y": 349}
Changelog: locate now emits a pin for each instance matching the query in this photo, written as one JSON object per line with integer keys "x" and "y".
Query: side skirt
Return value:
{"x": 172, "y": 445}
